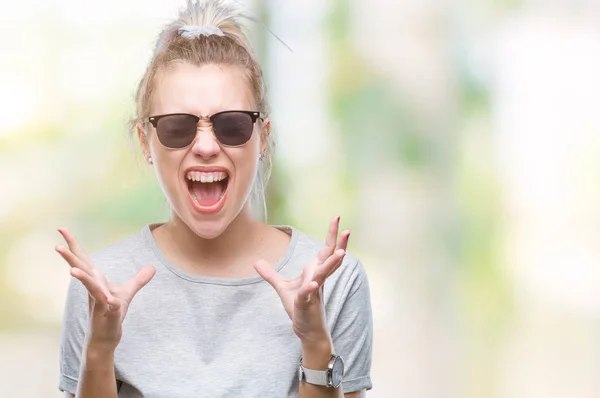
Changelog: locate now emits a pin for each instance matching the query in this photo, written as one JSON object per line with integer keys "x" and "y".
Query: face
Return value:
{"x": 207, "y": 184}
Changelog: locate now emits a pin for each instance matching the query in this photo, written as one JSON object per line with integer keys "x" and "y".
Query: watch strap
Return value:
{"x": 318, "y": 377}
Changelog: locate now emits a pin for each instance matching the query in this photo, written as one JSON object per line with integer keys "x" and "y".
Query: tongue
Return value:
{"x": 207, "y": 194}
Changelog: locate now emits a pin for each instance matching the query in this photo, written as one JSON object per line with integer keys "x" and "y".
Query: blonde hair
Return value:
{"x": 230, "y": 47}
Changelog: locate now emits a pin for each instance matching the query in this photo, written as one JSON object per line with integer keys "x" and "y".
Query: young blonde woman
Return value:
{"x": 225, "y": 305}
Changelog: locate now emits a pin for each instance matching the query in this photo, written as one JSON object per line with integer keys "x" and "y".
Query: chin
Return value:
{"x": 208, "y": 229}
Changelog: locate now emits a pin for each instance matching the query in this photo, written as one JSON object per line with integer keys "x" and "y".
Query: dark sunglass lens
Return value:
{"x": 233, "y": 128}
{"x": 176, "y": 131}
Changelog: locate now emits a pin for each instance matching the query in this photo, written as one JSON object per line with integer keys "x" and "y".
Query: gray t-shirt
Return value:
{"x": 193, "y": 336}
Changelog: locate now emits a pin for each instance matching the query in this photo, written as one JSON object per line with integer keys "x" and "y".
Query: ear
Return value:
{"x": 143, "y": 140}
{"x": 264, "y": 137}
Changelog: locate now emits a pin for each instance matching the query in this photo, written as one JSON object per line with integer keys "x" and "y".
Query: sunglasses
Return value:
{"x": 178, "y": 130}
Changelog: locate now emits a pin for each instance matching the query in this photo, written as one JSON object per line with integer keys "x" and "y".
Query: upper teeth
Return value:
{"x": 206, "y": 177}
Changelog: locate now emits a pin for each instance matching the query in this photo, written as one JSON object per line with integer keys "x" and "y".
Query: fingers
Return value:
{"x": 102, "y": 281}
{"x": 91, "y": 285}
{"x": 304, "y": 294}
{"x": 330, "y": 265}
{"x": 114, "y": 303}
{"x": 141, "y": 279}
{"x": 344, "y": 237}
{"x": 269, "y": 274}
{"x": 343, "y": 244}
{"x": 330, "y": 240}
{"x": 74, "y": 246}
{"x": 309, "y": 270}
{"x": 72, "y": 259}
{"x": 76, "y": 257}
{"x": 333, "y": 232}
{"x": 76, "y": 263}
{"x": 327, "y": 266}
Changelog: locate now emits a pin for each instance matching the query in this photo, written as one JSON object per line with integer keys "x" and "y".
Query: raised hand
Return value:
{"x": 302, "y": 296}
{"x": 108, "y": 303}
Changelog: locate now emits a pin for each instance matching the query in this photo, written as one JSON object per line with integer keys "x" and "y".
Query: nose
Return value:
{"x": 205, "y": 145}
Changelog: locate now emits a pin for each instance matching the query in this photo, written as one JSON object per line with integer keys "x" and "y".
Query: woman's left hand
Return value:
{"x": 302, "y": 297}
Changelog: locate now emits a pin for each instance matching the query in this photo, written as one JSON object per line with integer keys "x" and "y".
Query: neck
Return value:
{"x": 234, "y": 242}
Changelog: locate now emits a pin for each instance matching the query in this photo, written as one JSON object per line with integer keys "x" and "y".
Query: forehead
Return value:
{"x": 200, "y": 90}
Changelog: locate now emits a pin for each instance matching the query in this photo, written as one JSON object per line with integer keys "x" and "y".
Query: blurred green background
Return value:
{"x": 458, "y": 141}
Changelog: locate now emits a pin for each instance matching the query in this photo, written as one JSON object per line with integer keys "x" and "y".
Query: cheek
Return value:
{"x": 248, "y": 153}
{"x": 245, "y": 160}
{"x": 166, "y": 162}
{"x": 160, "y": 153}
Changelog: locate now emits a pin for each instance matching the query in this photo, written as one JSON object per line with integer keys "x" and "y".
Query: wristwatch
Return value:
{"x": 331, "y": 377}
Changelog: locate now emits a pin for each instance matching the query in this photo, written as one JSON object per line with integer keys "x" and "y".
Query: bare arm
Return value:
{"x": 302, "y": 299}
{"x": 318, "y": 358}
{"x": 108, "y": 304}
{"x": 97, "y": 376}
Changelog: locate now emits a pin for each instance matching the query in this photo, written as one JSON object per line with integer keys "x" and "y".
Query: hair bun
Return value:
{"x": 205, "y": 18}
{"x": 193, "y": 31}
{"x": 219, "y": 13}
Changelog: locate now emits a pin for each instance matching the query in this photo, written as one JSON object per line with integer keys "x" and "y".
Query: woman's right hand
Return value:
{"x": 108, "y": 303}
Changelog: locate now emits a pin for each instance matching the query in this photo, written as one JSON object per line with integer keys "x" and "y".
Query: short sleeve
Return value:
{"x": 352, "y": 330}
{"x": 72, "y": 338}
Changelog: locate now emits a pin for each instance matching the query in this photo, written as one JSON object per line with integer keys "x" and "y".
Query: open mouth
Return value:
{"x": 207, "y": 188}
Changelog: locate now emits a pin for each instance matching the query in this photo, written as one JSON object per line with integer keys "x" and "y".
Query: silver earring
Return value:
{"x": 149, "y": 160}
{"x": 261, "y": 156}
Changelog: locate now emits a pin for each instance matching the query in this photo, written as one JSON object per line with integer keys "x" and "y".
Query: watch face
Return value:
{"x": 337, "y": 372}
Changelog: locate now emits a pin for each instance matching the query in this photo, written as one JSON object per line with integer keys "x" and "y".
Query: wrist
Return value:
{"x": 100, "y": 343}
{"x": 317, "y": 353}
{"x": 315, "y": 340}
{"x": 98, "y": 362}
{"x": 99, "y": 352}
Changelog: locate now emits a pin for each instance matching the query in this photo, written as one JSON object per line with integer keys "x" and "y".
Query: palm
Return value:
{"x": 108, "y": 303}
{"x": 301, "y": 296}
{"x": 116, "y": 296}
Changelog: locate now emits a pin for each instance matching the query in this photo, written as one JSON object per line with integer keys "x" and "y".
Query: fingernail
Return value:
{"x": 338, "y": 218}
